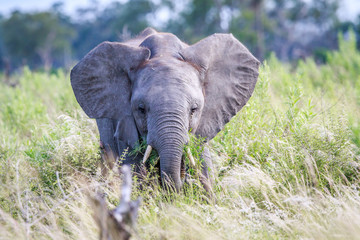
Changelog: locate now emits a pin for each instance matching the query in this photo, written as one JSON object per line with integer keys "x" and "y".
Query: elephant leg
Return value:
{"x": 108, "y": 144}
{"x": 207, "y": 174}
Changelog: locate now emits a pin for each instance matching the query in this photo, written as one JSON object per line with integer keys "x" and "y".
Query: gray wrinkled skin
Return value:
{"x": 157, "y": 87}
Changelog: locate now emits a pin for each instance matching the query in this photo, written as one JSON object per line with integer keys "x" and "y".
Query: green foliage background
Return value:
{"x": 52, "y": 38}
{"x": 287, "y": 166}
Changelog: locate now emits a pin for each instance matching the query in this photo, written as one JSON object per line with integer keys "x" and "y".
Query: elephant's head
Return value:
{"x": 160, "y": 88}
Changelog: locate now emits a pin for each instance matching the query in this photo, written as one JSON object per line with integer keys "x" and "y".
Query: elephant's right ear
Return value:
{"x": 100, "y": 80}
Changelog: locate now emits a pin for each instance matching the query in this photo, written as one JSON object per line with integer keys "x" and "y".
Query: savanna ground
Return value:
{"x": 287, "y": 166}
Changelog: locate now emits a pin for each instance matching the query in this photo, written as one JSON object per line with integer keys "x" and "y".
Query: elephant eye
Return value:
{"x": 141, "y": 108}
{"x": 194, "y": 109}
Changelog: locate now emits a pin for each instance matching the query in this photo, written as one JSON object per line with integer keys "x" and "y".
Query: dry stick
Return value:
{"x": 126, "y": 208}
{"x": 125, "y": 194}
{"x": 120, "y": 222}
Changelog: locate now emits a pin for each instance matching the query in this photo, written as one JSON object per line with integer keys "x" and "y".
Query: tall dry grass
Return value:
{"x": 287, "y": 166}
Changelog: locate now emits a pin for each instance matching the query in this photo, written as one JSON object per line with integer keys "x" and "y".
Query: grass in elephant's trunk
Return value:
{"x": 190, "y": 175}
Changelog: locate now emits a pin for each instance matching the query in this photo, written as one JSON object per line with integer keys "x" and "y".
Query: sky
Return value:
{"x": 7, "y": 6}
{"x": 348, "y": 11}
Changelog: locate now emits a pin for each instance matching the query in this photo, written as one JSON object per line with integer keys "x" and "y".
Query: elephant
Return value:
{"x": 157, "y": 88}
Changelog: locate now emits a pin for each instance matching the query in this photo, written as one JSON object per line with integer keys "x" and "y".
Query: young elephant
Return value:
{"x": 157, "y": 87}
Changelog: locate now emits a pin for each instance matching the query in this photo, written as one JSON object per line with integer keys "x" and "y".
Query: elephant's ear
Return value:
{"x": 100, "y": 80}
{"x": 229, "y": 73}
{"x": 101, "y": 84}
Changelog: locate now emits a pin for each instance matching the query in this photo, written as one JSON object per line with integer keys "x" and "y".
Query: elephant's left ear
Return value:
{"x": 229, "y": 73}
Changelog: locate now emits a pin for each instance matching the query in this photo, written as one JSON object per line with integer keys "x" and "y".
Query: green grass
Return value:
{"x": 287, "y": 166}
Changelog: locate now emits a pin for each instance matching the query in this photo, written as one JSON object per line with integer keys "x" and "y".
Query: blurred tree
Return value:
{"x": 36, "y": 38}
{"x": 301, "y": 26}
{"x": 346, "y": 26}
{"x": 292, "y": 29}
{"x": 1, "y": 44}
{"x": 286, "y": 27}
{"x": 63, "y": 52}
{"x": 117, "y": 22}
{"x": 251, "y": 25}
{"x": 198, "y": 19}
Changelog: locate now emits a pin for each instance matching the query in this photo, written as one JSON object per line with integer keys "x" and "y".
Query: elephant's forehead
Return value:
{"x": 164, "y": 82}
{"x": 166, "y": 88}
{"x": 167, "y": 72}
{"x": 163, "y": 44}
{"x": 169, "y": 91}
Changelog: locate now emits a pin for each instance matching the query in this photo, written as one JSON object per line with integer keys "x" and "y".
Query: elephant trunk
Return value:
{"x": 168, "y": 136}
{"x": 170, "y": 164}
